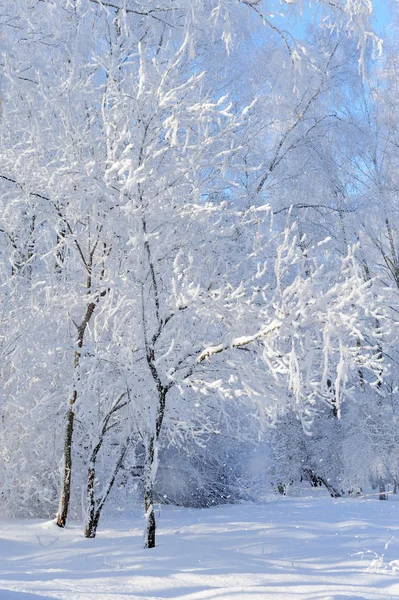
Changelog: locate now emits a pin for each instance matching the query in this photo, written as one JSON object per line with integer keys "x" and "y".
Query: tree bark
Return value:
{"x": 92, "y": 517}
{"x": 150, "y": 528}
{"x": 317, "y": 481}
{"x": 67, "y": 476}
{"x": 161, "y": 390}
{"x": 150, "y": 525}
{"x": 95, "y": 506}
{"x": 63, "y": 510}
{"x": 92, "y": 524}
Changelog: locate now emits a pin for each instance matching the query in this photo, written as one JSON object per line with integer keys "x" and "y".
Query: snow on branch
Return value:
{"x": 238, "y": 342}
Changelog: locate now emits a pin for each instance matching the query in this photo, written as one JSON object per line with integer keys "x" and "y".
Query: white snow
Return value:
{"x": 290, "y": 549}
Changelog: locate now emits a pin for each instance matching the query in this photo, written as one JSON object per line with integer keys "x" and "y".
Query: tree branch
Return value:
{"x": 238, "y": 342}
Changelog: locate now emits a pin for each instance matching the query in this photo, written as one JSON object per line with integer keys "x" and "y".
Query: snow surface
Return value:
{"x": 303, "y": 548}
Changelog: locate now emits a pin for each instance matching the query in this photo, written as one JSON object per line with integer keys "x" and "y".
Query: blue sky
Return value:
{"x": 382, "y": 18}
{"x": 382, "y": 14}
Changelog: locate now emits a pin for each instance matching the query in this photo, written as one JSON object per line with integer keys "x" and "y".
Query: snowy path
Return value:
{"x": 293, "y": 549}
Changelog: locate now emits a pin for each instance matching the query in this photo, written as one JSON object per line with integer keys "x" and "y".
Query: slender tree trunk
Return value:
{"x": 334, "y": 493}
{"x": 92, "y": 519}
{"x": 93, "y": 515}
{"x": 317, "y": 481}
{"x": 62, "y": 514}
{"x": 92, "y": 524}
{"x": 150, "y": 467}
{"x": 150, "y": 527}
{"x": 162, "y": 390}
{"x": 67, "y": 476}
{"x": 95, "y": 506}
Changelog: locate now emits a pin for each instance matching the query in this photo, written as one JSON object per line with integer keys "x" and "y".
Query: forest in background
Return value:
{"x": 199, "y": 254}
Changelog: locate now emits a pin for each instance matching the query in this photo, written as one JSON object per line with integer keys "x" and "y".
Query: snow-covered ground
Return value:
{"x": 304, "y": 548}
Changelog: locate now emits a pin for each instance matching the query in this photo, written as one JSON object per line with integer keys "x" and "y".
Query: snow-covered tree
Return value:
{"x": 154, "y": 274}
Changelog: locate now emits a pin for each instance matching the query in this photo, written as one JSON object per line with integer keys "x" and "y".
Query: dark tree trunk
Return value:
{"x": 313, "y": 479}
{"x": 150, "y": 525}
{"x": 162, "y": 390}
{"x": 317, "y": 481}
{"x": 62, "y": 514}
{"x": 334, "y": 493}
{"x": 67, "y": 475}
{"x": 95, "y": 505}
{"x": 92, "y": 524}
{"x": 92, "y": 516}
{"x": 150, "y": 528}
